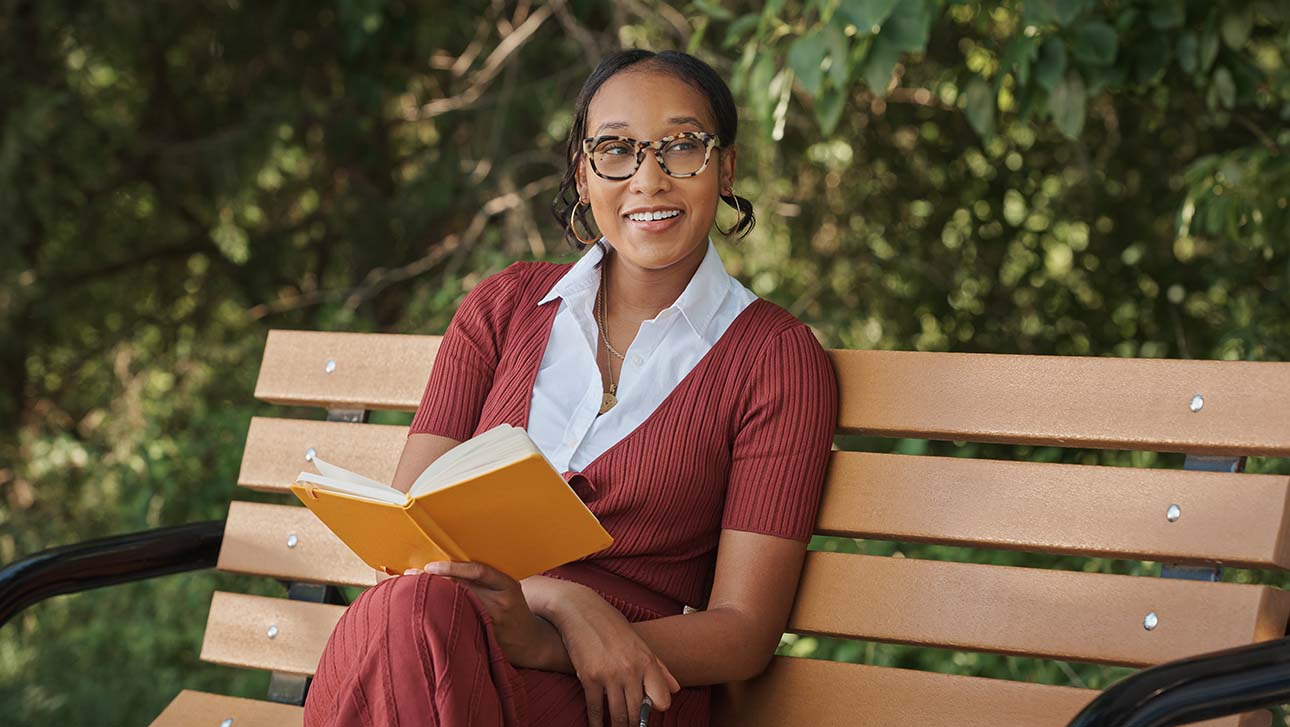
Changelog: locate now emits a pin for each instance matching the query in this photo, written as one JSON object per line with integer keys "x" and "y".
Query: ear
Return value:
{"x": 580, "y": 176}
{"x": 726, "y": 167}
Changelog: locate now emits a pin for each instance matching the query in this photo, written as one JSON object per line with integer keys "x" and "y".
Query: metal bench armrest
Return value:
{"x": 107, "y": 561}
{"x": 1197, "y": 688}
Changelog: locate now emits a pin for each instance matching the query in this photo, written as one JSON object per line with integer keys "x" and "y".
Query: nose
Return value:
{"x": 649, "y": 178}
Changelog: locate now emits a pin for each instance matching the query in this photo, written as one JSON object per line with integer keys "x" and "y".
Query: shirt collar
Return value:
{"x": 698, "y": 303}
{"x": 584, "y": 276}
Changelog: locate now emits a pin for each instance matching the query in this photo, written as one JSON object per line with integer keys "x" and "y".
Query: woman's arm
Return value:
{"x": 418, "y": 452}
{"x": 736, "y": 636}
{"x": 733, "y": 639}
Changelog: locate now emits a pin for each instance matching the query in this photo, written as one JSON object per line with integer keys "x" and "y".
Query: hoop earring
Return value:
{"x": 574, "y": 230}
{"x": 738, "y": 208}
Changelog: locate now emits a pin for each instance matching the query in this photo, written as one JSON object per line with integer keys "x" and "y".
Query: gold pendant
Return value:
{"x": 607, "y": 402}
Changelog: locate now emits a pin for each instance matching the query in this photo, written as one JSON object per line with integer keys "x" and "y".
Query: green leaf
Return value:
{"x": 980, "y": 105}
{"x": 759, "y": 85}
{"x": 1151, "y": 59}
{"x": 1167, "y": 14}
{"x": 1067, "y": 103}
{"x": 1068, "y": 10}
{"x": 1225, "y": 87}
{"x": 1051, "y": 66}
{"x": 909, "y": 26}
{"x": 1188, "y": 53}
{"x": 828, "y": 109}
{"x": 1236, "y": 27}
{"x": 805, "y": 57}
{"x": 1040, "y": 12}
{"x": 713, "y": 10}
{"x": 866, "y": 15}
{"x": 838, "y": 52}
{"x": 879, "y": 64}
{"x": 1095, "y": 43}
{"x": 1208, "y": 48}
{"x": 1017, "y": 57}
{"x": 739, "y": 29}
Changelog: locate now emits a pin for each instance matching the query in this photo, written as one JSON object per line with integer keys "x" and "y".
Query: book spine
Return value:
{"x": 437, "y": 535}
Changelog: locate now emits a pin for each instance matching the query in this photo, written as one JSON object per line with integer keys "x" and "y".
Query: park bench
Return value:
{"x": 1193, "y": 520}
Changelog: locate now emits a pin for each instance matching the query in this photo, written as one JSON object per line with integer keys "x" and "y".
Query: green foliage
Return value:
{"x": 1051, "y": 177}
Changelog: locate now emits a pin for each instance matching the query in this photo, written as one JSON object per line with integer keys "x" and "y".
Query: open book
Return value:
{"x": 493, "y": 499}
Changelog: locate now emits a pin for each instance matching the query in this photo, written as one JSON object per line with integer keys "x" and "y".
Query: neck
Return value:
{"x": 640, "y": 293}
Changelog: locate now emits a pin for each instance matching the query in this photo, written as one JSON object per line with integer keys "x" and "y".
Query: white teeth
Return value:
{"x": 649, "y": 216}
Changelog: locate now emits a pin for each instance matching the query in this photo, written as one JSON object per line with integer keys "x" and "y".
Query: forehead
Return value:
{"x": 647, "y": 104}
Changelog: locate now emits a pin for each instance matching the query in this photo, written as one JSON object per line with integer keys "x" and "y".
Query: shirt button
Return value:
{"x": 637, "y": 360}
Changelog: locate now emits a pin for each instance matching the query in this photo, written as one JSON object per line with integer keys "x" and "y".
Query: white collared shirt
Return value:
{"x": 563, "y": 419}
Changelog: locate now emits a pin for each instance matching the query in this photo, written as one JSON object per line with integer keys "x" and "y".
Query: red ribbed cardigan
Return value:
{"x": 742, "y": 442}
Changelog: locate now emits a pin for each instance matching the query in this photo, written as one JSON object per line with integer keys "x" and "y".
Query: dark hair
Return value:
{"x": 685, "y": 67}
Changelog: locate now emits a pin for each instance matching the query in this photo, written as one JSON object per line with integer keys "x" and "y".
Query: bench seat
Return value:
{"x": 1215, "y": 412}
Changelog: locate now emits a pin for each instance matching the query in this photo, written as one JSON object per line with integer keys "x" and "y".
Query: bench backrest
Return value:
{"x": 1217, "y": 409}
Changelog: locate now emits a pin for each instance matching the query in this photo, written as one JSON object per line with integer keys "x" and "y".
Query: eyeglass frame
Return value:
{"x": 710, "y": 141}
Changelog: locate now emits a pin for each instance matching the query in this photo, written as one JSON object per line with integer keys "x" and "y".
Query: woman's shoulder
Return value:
{"x": 781, "y": 351}
{"x": 516, "y": 284}
{"x": 769, "y": 325}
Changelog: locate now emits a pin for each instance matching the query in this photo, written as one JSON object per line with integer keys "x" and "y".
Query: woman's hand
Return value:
{"x": 519, "y": 632}
{"x": 610, "y": 659}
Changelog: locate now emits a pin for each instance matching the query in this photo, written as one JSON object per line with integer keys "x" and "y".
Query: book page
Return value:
{"x": 336, "y": 472}
{"x": 379, "y": 493}
{"x": 495, "y": 448}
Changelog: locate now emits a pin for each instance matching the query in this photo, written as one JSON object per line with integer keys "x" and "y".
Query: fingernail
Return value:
{"x": 435, "y": 567}
{"x": 411, "y": 572}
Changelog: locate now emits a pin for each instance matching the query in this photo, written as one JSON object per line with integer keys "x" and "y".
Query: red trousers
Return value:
{"x": 420, "y": 650}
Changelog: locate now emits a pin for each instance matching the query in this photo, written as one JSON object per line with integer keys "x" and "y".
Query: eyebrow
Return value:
{"x": 675, "y": 121}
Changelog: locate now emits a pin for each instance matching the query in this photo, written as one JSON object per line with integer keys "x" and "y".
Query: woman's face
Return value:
{"x": 649, "y": 105}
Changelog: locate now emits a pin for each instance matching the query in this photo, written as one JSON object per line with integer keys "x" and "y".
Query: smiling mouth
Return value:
{"x": 653, "y": 216}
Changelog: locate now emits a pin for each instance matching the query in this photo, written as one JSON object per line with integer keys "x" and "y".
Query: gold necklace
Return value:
{"x": 610, "y": 398}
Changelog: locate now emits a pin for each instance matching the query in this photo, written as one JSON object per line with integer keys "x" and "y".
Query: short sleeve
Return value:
{"x": 462, "y": 374}
{"x": 781, "y": 449}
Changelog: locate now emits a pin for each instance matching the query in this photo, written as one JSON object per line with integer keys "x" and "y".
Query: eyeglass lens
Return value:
{"x": 617, "y": 158}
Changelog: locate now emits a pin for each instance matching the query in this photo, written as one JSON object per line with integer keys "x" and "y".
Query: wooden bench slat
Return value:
{"x": 1074, "y": 616}
{"x": 257, "y": 540}
{"x": 1118, "y": 512}
{"x": 1068, "y": 401}
{"x": 1022, "y": 611}
{"x": 191, "y": 708}
{"x": 370, "y": 371}
{"x": 1046, "y": 400}
{"x": 1114, "y": 512}
{"x": 796, "y": 691}
{"x": 275, "y": 450}
{"x": 237, "y": 631}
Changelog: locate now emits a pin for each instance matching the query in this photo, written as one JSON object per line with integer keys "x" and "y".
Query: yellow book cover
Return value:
{"x": 510, "y": 510}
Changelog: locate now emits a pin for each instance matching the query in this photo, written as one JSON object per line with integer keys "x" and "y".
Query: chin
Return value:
{"x": 655, "y": 254}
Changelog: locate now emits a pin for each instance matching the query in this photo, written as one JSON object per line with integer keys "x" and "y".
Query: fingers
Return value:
{"x": 671, "y": 680}
{"x": 595, "y": 701}
{"x": 477, "y": 573}
{"x": 634, "y": 694}
{"x": 658, "y": 687}
{"x": 618, "y": 708}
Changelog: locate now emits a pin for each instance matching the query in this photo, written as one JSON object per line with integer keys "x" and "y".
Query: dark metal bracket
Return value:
{"x": 1203, "y": 463}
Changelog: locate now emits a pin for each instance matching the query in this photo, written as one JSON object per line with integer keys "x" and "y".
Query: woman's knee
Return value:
{"x": 402, "y": 605}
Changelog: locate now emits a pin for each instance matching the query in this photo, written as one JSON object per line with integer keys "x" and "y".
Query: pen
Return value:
{"x": 645, "y": 705}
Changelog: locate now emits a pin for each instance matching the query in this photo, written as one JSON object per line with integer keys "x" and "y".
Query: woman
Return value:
{"x": 693, "y": 418}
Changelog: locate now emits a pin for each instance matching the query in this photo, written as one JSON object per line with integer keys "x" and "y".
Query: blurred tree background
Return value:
{"x": 1076, "y": 177}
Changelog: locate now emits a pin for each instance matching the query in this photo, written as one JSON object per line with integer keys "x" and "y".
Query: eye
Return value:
{"x": 614, "y": 148}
